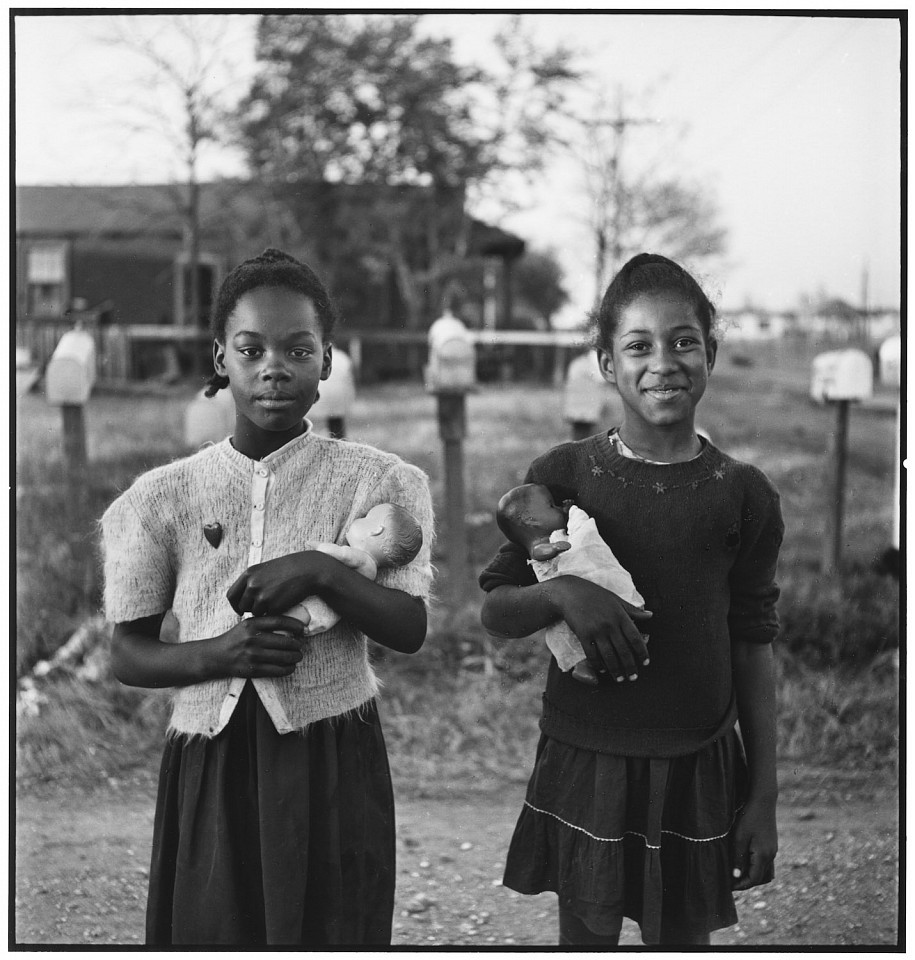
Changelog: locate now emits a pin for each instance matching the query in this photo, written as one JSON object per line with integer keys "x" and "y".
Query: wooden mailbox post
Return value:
{"x": 338, "y": 394}
{"x": 451, "y": 375}
{"x": 69, "y": 379}
{"x": 839, "y": 378}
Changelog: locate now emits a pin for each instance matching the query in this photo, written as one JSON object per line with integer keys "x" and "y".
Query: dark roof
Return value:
{"x": 490, "y": 241}
{"x": 85, "y": 209}
{"x": 154, "y": 210}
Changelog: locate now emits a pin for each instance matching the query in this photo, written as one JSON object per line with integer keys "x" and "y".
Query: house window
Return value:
{"x": 46, "y": 276}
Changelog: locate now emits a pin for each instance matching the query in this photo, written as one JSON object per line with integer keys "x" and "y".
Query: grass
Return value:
{"x": 460, "y": 712}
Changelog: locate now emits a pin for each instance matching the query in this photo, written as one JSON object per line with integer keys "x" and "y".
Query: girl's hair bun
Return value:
{"x": 648, "y": 274}
{"x": 272, "y": 255}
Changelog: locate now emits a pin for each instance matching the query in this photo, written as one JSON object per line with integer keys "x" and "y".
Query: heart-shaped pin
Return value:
{"x": 213, "y": 533}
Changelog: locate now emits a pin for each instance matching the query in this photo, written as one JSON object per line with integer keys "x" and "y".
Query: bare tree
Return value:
{"x": 633, "y": 207}
{"x": 174, "y": 97}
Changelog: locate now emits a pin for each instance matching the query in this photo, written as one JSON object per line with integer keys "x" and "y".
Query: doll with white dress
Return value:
{"x": 563, "y": 540}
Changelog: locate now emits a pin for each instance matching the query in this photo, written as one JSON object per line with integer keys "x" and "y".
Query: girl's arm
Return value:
{"x": 390, "y": 617}
{"x": 755, "y": 834}
{"x": 604, "y": 624}
{"x": 255, "y": 647}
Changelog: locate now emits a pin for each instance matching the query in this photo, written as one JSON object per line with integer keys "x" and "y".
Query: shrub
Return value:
{"x": 87, "y": 731}
{"x": 844, "y": 624}
{"x": 836, "y": 717}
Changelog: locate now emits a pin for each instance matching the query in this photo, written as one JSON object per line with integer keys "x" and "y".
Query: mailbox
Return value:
{"x": 842, "y": 375}
{"x": 889, "y": 357}
{"x": 452, "y": 362}
{"x": 585, "y": 393}
{"x": 209, "y": 419}
{"x": 70, "y": 374}
{"x": 338, "y": 391}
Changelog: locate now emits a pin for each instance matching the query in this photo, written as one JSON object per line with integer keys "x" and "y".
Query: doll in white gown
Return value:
{"x": 563, "y": 540}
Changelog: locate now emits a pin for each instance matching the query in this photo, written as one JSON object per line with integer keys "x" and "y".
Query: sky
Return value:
{"x": 791, "y": 123}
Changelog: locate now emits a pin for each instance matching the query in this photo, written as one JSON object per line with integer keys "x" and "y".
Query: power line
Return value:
{"x": 732, "y": 136}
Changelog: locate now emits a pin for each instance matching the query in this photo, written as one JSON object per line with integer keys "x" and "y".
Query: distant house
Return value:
{"x": 754, "y": 324}
{"x": 834, "y": 319}
{"x": 118, "y": 254}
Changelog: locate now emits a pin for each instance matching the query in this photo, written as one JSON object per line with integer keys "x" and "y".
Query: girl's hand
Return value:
{"x": 606, "y": 627}
{"x": 755, "y": 841}
{"x": 277, "y": 585}
{"x": 259, "y": 647}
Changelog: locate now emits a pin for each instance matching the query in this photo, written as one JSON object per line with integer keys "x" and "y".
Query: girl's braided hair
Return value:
{"x": 648, "y": 274}
{"x": 272, "y": 268}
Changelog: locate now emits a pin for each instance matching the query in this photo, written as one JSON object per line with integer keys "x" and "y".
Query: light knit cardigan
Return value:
{"x": 157, "y": 557}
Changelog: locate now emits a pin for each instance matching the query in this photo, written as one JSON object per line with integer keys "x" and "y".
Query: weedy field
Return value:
{"x": 462, "y": 708}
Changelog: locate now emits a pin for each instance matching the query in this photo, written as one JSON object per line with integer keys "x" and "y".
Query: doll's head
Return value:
{"x": 527, "y": 515}
{"x": 388, "y": 533}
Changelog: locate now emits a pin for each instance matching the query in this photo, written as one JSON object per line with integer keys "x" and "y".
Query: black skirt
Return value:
{"x": 267, "y": 839}
{"x": 632, "y": 837}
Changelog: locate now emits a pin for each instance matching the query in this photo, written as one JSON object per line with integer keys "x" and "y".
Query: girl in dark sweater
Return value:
{"x": 644, "y": 802}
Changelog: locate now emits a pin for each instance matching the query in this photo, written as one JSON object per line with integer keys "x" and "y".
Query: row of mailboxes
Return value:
{"x": 836, "y": 374}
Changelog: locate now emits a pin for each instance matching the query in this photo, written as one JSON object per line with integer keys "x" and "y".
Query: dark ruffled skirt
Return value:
{"x": 632, "y": 837}
{"x": 264, "y": 839}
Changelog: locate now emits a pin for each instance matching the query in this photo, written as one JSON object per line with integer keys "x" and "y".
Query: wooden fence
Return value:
{"x": 140, "y": 351}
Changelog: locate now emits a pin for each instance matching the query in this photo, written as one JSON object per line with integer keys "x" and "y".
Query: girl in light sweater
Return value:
{"x": 641, "y": 803}
{"x": 274, "y": 821}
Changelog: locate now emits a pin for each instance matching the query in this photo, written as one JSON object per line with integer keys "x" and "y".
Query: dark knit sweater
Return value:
{"x": 701, "y": 541}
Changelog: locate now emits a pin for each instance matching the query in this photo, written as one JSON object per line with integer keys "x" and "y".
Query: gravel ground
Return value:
{"x": 82, "y": 866}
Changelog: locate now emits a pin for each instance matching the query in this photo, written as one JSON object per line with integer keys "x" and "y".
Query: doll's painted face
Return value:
{"x": 370, "y": 532}
{"x": 541, "y": 512}
{"x": 528, "y": 514}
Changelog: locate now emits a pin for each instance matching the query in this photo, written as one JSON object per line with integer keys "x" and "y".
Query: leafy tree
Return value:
{"x": 368, "y": 100}
{"x": 342, "y": 98}
{"x": 537, "y": 278}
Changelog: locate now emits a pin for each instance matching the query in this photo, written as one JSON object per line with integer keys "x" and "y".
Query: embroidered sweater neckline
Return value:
{"x": 684, "y": 471}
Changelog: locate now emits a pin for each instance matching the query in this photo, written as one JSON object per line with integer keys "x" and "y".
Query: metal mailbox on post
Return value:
{"x": 451, "y": 374}
{"x": 842, "y": 375}
{"x": 70, "y": 375}
{"x": 69, "y": 378}
{"x": 585, "y": 396}
{"x": 337, "y": 394}
{"x": 452, "y": 362}
{"x": 839, "y": 377}
{"x": 889, "y": 359}
{"x": 209, "y": 419}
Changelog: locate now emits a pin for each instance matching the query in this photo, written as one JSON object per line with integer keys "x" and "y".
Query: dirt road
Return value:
{"x": 82, "y": 863}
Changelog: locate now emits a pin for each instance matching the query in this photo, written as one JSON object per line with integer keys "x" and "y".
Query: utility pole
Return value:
{"x": 865, "y": 316}
{"x": 610, "y": 190}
